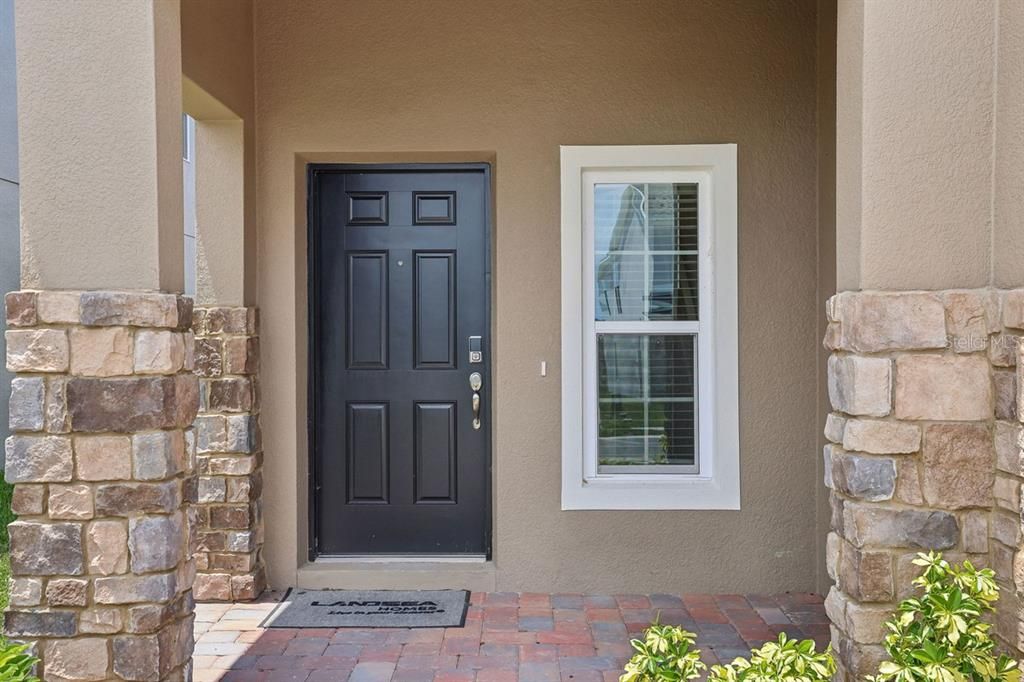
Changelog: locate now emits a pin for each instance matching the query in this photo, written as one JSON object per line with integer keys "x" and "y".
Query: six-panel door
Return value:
{"x": 400, "y": 283}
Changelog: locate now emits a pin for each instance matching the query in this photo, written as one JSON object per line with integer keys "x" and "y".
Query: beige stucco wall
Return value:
{"x": 512, "y": 81}
{"x": 217, "y": 61}
{"x": 930, "y": 154}
{"x": 100, "y": 145}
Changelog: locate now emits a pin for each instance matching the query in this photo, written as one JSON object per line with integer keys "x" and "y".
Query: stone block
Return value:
{"x": 834, "y": 427}
{"x": 1013, "y": 309}
{"x": 230, "y": 395}
{"x": 242, "y": 433}
{"x": 974, "y": 532}
{"x": 211, "y": 434}
{"x": 244, "y": 488}
{"x": 865, "y": 478}
{"x": 943, "y": 388}
{"x": 25, "y": 592}
{"x": 67, "y": 592}
{"x": 957, "y": 468}
{"x": 241, "y": 355}
{"x": 227, "y": 465}
{"x": 28, "y": 500}
{"x": 1005, "y": 387}
{"x": 46, "y": 548}
{"x": 247, "y": 587}
{"x": 70, "y": 502}
{"x": 100, "y": 621}
{"x": 37, "y": 350}
{"x": 58, "y": 307}
{"x": 101, "y": 352}
{"x": 131, "y": 405}
{"x": 881, "y": 437}
{"x": 1006, "y": 493}
{"x": 124, "y": 499}
{"x": 131, "y": 309}
{"x": 158, "y": 455}
{"x": 38, "y": 459}
{"x": 159, "y": 352}
{"x": 1006, "y": 529}
{"x": 226, "y": 517}
{"x": 212, "y": 489}
{"x": 208, "y": 357}
{"x": 1002, "y": 350}
{"x": 860, "y": 386}
{"x": 873, "y": 322}
{"x": 865, "y": 624}
{"x": 106, "y": 547}
{"x": 865, "y": 575}
{"x": 212, "y": 587}
{"x": 870, "y": 525}
{"x": 155, "y": 542}
{"x": 134, "y": 589}
{"x": 103, "y": 458}
{"x": 85, "y": 658}
{"x": 1008, "y": 448}
{"x": 908, "y": 482}
{"x": 56, "y": 410}
{"x": 137, "y": 658}
{"x": 21, "y": 308}
{"x": 40, "y": 623}
{"x": 28, "y": 395}
{"x": 967, "y": 319}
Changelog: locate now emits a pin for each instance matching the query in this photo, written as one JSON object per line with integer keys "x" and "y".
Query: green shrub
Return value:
{"x": 15, "y": 664}
{"x": 6, "y": 515}
{"x": 940, "y": 636}
{"x": 786, "y": 659}
{"x": 663, "y": 654}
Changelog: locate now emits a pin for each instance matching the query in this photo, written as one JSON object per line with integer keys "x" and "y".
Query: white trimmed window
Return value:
{"x": 649, "y": 328}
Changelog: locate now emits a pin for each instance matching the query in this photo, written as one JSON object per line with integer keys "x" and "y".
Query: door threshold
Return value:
{"x": 408, "y": 573}
{"x": 402, "y": 558}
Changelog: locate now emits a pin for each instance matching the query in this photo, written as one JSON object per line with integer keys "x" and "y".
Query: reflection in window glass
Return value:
{"x": 645, "y": 250}
{"x": 646, "y": 400}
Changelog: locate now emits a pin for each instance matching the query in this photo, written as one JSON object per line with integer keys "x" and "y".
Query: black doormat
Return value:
{"x": 303, "y": 608}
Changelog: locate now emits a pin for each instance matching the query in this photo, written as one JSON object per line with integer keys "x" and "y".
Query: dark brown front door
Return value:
{"x": 398, "y": 326}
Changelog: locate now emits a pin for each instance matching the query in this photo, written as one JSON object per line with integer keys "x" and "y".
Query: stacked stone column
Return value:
{"x": 229, "y": 515}
{"x": 923, "y": 451}
{"x": 101, "y": 414}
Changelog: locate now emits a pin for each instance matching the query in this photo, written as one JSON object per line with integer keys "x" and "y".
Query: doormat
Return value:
{"x": 302, "y": 608}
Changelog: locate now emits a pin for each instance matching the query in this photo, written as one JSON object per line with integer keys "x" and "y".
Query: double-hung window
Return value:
{"x": 649, "y": 310}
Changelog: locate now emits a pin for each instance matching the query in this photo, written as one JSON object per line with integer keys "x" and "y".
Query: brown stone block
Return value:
{"x": 247, "y": 587}
{"x": 230, "y": 395}
{"x": 124, "y": 499}
{"x": 67, "y": 592}
{"x": 208, "y": 357}
{"x": 230, "y": 517}
{"x": 241, "y": 355}
{"x": 39, "y": 548}
{"x": 133, "y": 309}
{"x": 957, "y": 466}
{"x": 130, "y": 405}
{"x": 21, "y": 308}
{"x": 28, "y": 500}
{"x": 212, "y": 587}
{"x": 232, "y": 563}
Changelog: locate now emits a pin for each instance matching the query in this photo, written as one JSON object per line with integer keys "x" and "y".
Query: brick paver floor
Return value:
{"x": 507, "y": 636}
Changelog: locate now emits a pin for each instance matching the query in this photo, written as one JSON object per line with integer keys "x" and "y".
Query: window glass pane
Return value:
{"x": 646, "y": 410}
{"x": 645, "y": 252}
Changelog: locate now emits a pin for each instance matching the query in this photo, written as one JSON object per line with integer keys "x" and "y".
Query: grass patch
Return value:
{"x": 6, "y": 516}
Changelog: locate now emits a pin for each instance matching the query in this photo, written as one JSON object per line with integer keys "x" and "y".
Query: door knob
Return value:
{"x": 476, "y": 382}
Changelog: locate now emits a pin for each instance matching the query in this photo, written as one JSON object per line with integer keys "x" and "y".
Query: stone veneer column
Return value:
{"x": 101, "y": 411}
{"x": 229, "y": 456}
{"x": 924, "y": 452}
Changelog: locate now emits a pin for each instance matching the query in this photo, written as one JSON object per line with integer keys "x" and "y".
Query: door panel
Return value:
{"x": 399, "y": 282}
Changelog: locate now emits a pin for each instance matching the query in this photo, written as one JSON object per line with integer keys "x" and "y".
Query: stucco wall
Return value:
{"x": 9, "y": 251}
{"x": 512, "y": 82}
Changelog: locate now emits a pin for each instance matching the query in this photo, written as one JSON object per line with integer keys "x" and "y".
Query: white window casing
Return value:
{"x": 713, "y": 482}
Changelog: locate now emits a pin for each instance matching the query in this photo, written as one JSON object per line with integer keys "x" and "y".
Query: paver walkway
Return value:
{"x": 508, "y": 636}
